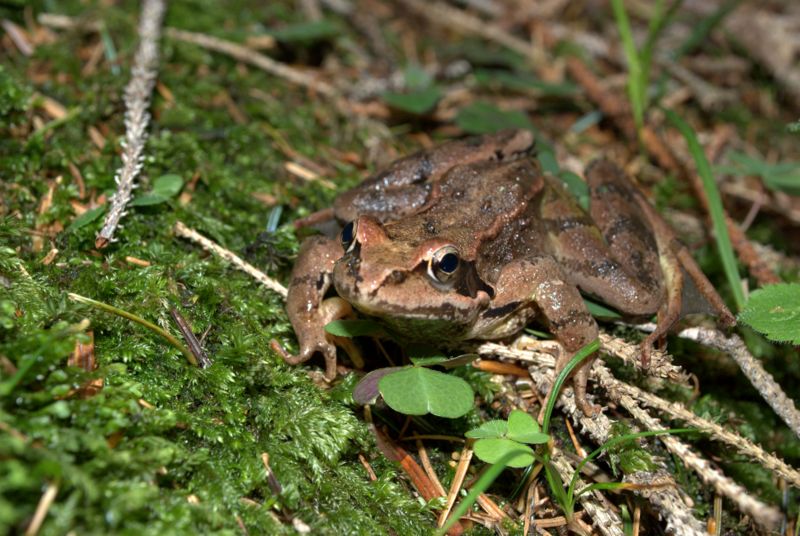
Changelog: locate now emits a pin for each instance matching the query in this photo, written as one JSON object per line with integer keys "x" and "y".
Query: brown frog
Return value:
{"x": 470, "y": 240}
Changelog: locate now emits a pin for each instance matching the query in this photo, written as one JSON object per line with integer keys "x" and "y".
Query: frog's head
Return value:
{"x": 421, "y": 288}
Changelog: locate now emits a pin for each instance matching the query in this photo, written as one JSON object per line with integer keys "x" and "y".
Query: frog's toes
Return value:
{"x": 589, "y": 409}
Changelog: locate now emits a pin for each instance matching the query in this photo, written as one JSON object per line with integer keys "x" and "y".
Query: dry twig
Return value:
{"x": 762, "y": 380}
{"x": 208, "y": 245}
{"x": 256, "y": 59}
{"x": 137, "y": 102}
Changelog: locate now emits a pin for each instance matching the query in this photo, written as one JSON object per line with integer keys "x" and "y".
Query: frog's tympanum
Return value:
{"x": 471, "y": 240}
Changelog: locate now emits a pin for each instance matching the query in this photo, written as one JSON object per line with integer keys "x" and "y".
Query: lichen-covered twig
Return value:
{"x": 666, "y": 500}
{"x": 677, "y": 411}
{"x": 660, "y": 366}
{"x": 762, "y": 380}
{"x": 137, "y": 102}
{"x": 208, "y": 245}
{"x": 763, "y": 514}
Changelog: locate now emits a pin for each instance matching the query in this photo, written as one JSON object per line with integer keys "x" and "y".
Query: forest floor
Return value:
{"x": 261, "y": 114}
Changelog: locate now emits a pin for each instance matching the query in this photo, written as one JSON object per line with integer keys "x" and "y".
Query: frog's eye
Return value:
{"x": 444, "y": 264}
{"x": 349, "y": 236}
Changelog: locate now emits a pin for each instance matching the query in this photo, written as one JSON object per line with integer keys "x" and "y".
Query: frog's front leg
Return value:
{"x": 540, "y": 281}
{"x": 307, "y": 307}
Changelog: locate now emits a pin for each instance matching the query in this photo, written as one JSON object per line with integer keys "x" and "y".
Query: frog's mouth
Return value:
{"x": 467, "y": 309}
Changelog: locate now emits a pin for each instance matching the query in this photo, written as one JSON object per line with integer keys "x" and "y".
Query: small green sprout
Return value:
{"x": 497, "y": 438}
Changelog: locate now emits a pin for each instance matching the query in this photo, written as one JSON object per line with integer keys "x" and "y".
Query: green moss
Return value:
{"x": 163, "y": 447}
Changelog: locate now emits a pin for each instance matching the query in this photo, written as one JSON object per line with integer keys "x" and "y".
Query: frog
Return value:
{"x": 472, "y": 240}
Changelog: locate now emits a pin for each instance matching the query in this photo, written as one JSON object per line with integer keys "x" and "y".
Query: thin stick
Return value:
{"x": 42, "y": 508}
{"x": 458, "y": 480}
{"x": 762, "y": 380}
{"x": 137, "y": 102}
{"x": 210, "y": 246}
{"x": 252, "y": 57}
{"x": 428, "y": 466}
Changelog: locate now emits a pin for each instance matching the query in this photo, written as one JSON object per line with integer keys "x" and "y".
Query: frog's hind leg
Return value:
{"x": 640, "y": 244}
{"x": 646, "y": 245}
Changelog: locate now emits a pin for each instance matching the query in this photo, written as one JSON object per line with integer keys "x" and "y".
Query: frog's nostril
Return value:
{"x": 396, "y": 277}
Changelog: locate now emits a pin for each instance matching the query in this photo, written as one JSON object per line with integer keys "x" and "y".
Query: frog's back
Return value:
{"x": 473, "y": 204}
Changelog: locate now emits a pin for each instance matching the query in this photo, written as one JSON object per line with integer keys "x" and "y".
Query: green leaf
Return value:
{"x": 495, "y": 428}
{"x": 485, "y": 118}
{"x": 579, "y": 356}
{"x": 354, "y": 328}
{"x": 521, "y": 81}
{"x": 782, "y": 176}
{"x": 577, "y": 187}
{"x": 598, "y": 310}
{"x": 721, "y": 235}
{"x": 428, "y": 361}
{"x": 86, "y": 218}
{"x": 491, "y": 450}
{"x": 523, "y": 427}
{"x": 164, "y": 187}
{"x": 637, "y": 92}
{"x": 420, "y": 390}
{"x": 417, "y": 102}
{"x": 366, "y": 390}
{"x": 416, "y": 77}
{"x": 775, "y": 311}
{"x": 306, "y": 32}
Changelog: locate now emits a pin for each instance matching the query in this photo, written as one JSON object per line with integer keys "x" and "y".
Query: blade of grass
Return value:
{"x": 703, "y": 28}
{"x": 636, "y": 87}
{"x": 582, "y": 354}
{"x": 660, "y": 20}
{"x": 139, "y": 320}
{"x": 721, "y": 236}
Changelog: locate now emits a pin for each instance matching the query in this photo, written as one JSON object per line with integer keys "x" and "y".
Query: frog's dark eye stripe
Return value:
{"x": 444, "y": 264}
{"x": 349, "y": 236}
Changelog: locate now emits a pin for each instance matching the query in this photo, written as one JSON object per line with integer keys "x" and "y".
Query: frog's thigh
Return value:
{"x": 626, "y": 230}
{"x": 625, "y": 275}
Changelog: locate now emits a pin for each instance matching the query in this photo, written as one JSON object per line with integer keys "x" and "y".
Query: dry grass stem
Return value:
{"x": 137, "y": 102}
{"x": 246, "y": 55}
{"x": 210, "y": 246}
{"x": 677, "y": 411}
{"x": 763, "y": 514}
{"x": 762, "y": 380}
{"x": 42, "y": 508}
{"x": 428, "y": 466}
{"x": 458, "y": 481}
